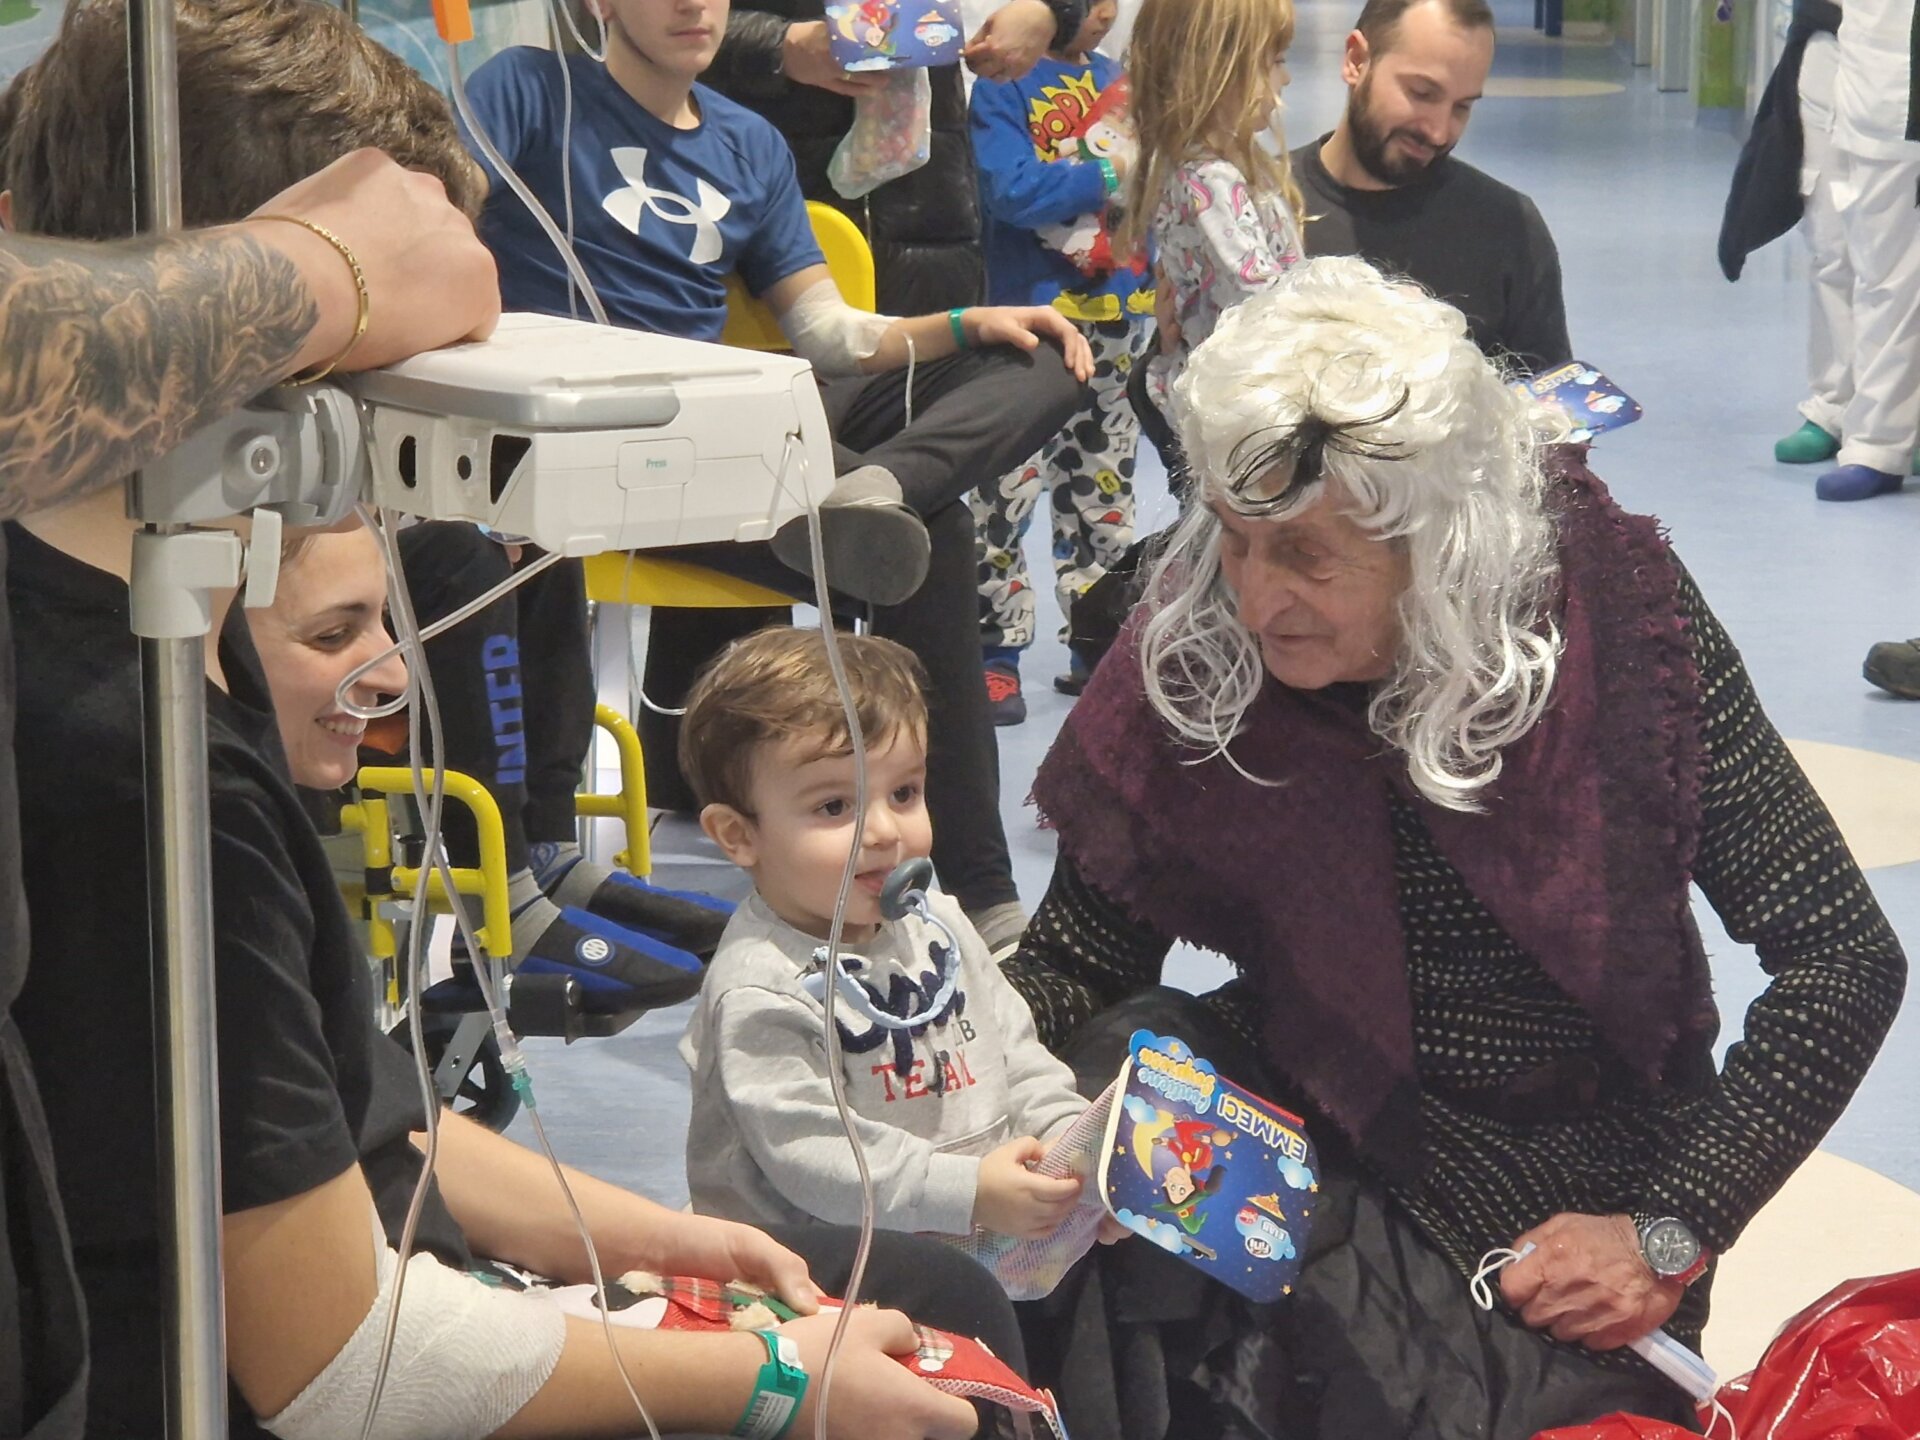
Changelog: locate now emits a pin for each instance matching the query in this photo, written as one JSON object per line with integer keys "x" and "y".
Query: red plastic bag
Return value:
{"x": 1845, "y": 1368}
{"x": 1619, "y": 1426}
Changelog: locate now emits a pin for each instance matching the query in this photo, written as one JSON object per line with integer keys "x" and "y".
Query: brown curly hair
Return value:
{"x": 776, "y": 684}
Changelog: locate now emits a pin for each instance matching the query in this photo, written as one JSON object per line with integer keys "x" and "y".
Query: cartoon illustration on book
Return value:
{"x": 1180, "y": 1160}
{"x": 1187, "y": 1160}
{"x": 865, "y": 23}
{"x": 1262, "y": 1226}
{"x": 935, "y": 31}
{"x": 894, "y": 34}
{"x": 1591, "y": 402}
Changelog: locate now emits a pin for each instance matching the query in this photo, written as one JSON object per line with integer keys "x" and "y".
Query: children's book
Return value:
{"x": 1186, "y": 1159}
{"x": 894, "y": 34}
{"x": 1591, "y": 401}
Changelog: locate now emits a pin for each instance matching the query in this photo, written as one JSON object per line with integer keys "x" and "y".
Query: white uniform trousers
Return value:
{"x": 1830, "y": 314}
{"x": 1878, "y": 202}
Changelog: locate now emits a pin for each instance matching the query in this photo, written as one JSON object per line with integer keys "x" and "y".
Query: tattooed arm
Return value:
{"x": 111, "y": 355}
{"x": 114, "y": 354}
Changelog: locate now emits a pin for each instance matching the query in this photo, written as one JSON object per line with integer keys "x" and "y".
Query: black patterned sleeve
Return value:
{"x": 1082, "y": 952}
{"x": 1774, "y": 867}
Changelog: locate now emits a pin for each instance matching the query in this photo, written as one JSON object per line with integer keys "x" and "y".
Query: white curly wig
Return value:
{"x": 1339, "y": 374}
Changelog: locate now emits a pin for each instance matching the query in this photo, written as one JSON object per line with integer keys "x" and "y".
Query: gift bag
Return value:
{"x": 1619, "y": 1426}
{"x": 891, "y": 135}
{"x": 1845, "y": 1368}
{"x": 960, "y": 1366}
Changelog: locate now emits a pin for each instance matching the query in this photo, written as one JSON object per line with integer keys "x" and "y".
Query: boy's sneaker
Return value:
{"x": 876, "y": 548}
{"x": 1808, "y": 445}
{"x": 1004, "y": 700}
{"x": 1075, "y": 680}
{"x": 1894, "y": 665}
{"x": 618, "y": 970}
{"x": 1856, "y": 482}
{"x": 685, "y": 919}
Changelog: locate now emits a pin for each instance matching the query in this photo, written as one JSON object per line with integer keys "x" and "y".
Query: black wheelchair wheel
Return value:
{"x": 474, "y": 1085}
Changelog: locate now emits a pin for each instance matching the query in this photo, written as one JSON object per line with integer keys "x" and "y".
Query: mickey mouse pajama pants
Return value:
{"x": 1086, "y": 471}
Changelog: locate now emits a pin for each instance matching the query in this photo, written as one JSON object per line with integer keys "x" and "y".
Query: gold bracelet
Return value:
{"x": 360, "y": 289}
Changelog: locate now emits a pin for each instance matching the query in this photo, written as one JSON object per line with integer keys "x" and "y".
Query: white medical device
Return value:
{"x": 584, "y": 438}
{"x": 578, "y": 437}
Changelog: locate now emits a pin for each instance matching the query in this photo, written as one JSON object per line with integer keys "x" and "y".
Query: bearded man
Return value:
{"x": 1386, "y": 186}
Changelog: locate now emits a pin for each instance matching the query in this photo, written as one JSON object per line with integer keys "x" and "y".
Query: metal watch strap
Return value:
{"x": 1645, "y": 1220}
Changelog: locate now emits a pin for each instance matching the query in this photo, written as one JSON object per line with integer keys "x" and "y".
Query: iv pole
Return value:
{"x": 179, "y": 865}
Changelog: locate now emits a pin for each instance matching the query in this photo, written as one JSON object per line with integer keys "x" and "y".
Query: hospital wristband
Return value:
{"x": 777, "y": 1392}
{"x": 365, "y": 310}
{"x": 959, "y": 330}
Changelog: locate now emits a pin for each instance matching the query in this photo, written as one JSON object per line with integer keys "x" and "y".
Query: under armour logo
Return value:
{"x": 640, "y": 198}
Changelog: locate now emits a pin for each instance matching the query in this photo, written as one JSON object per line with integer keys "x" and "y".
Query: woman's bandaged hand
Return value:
{"x": 1587, "y": 1282}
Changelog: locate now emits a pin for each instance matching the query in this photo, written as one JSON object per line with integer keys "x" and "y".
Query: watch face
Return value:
{"x": 1669, "y": 1247}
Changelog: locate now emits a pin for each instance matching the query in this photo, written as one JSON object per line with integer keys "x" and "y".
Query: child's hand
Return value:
{"x": 1012, "y": 1200}
{"x": 1111, "y": 1231}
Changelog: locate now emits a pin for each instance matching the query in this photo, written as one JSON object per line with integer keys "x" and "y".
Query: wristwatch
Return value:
{"x": 1671, "y": 1250}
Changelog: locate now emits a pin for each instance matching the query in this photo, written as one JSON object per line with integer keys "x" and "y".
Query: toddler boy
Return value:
{"x": 952, "y": 1111}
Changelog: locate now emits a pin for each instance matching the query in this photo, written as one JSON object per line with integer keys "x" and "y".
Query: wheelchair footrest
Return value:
{"x": 537, "y": 1004}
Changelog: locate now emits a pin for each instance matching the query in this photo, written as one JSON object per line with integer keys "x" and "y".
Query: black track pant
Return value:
{"x": 515, "y": 682}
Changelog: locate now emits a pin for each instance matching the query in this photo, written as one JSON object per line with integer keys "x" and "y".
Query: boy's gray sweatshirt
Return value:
{"x": 764, "y": 1142}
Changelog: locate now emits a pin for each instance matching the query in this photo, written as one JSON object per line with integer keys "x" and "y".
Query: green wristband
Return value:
{"x": 959, "y": 330}
{"x": 777, "y": 1392}
{"x": 1109, "y": 176}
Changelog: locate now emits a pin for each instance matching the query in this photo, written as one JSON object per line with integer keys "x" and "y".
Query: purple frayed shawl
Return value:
{"x": 1582, "y": 854}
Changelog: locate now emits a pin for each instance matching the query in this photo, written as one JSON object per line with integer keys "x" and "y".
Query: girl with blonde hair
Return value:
{"x": 1212, "y": 186}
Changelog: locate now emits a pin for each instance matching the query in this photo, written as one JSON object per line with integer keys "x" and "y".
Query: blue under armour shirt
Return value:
{"x": 661, "y": 216}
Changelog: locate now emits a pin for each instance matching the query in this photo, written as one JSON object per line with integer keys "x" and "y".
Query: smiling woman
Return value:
{"x": 327, "y": 620}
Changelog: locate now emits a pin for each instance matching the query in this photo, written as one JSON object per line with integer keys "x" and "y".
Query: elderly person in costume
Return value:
{"x": 1428, "y": 737}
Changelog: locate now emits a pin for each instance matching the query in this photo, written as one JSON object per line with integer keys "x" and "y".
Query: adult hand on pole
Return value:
{"x": 430, "y": 282}
{"x": 1587, "y": 1281}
